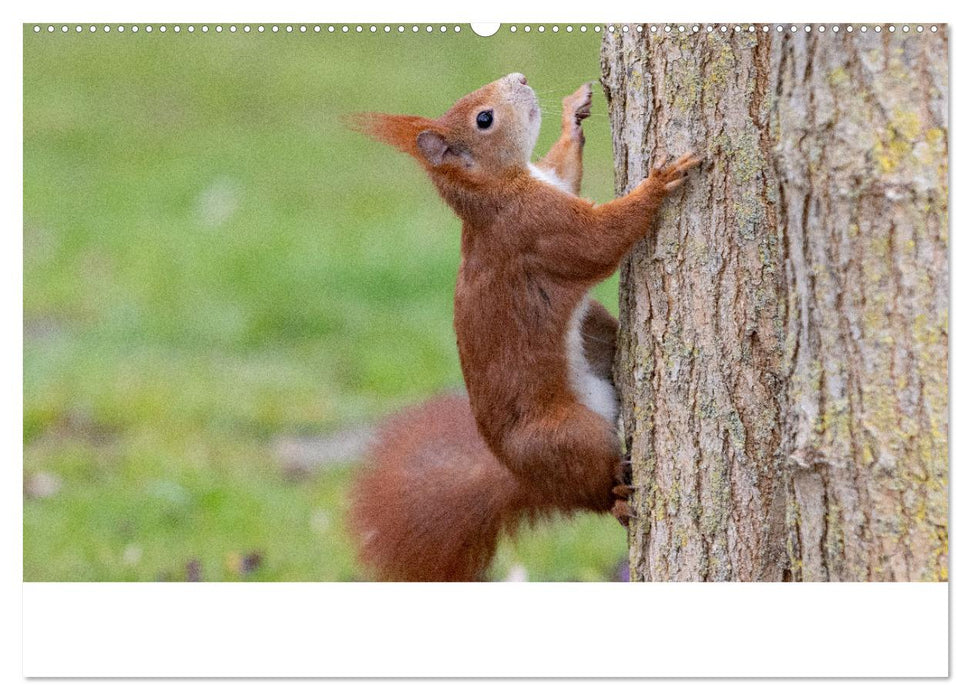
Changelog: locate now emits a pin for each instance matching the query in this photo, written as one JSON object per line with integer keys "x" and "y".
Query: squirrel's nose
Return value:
{"x": 518, "y": 77}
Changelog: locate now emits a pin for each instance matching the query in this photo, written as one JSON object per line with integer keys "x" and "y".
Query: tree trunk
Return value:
{"x": 783, "y": 350}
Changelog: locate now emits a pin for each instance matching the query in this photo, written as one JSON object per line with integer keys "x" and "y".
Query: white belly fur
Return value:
{"x": 548, "y": 177}
{"x": 594, "y": 392}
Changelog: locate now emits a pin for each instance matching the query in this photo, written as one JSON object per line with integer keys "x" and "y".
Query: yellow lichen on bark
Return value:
{"x": 783, "y": 350}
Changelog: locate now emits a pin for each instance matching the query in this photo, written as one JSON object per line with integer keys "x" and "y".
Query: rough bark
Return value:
{"x": 783, "y": 351}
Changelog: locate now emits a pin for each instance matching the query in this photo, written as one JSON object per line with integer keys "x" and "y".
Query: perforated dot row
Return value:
{"x": 555, "y": 28}
{"x": 429, "y": 29}
{"x": 249, "y": 28}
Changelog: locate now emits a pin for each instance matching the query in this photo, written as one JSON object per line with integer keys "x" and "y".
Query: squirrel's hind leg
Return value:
{"x": 599, "y": 331}
{"x": 570, "y": 457}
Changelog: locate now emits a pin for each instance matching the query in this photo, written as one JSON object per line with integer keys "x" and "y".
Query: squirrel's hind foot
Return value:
{"x": 621, "y": 508}
{"x": 623, "y": 491}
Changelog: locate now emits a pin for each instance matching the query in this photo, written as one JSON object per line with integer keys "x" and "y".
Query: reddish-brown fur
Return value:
{"x": 530, "y": 253}
{"x": 434, "y": 500}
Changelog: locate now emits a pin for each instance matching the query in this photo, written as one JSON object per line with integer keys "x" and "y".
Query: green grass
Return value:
{"x": 211, "y": 261}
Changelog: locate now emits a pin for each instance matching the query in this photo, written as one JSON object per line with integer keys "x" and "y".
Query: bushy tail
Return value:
{"x": 433, "y": 500}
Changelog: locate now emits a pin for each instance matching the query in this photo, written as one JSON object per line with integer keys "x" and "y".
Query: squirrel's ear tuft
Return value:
{"x": 395, "y": 130}
{"x": 416, "y": 136}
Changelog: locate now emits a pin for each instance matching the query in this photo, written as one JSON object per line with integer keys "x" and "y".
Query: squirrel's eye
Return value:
{"x": 483, "y": 120}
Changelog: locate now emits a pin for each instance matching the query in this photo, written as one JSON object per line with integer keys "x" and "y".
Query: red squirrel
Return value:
{"x": 537, "y": 434}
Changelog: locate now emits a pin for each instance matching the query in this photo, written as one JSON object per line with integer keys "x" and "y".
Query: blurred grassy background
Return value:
{"x": 213, "y": 264}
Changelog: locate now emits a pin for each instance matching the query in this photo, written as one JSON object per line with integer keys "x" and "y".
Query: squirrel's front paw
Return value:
{"x": 670, "y": 177}
{"x": 576, "y": 107}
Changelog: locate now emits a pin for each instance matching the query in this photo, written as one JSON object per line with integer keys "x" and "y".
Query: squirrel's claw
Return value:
{"x": 674, "y": 184}
{"x": 660, "y": 165}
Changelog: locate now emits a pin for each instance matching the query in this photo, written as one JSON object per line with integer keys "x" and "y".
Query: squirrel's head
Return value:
{"x": 484, "y": 135}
